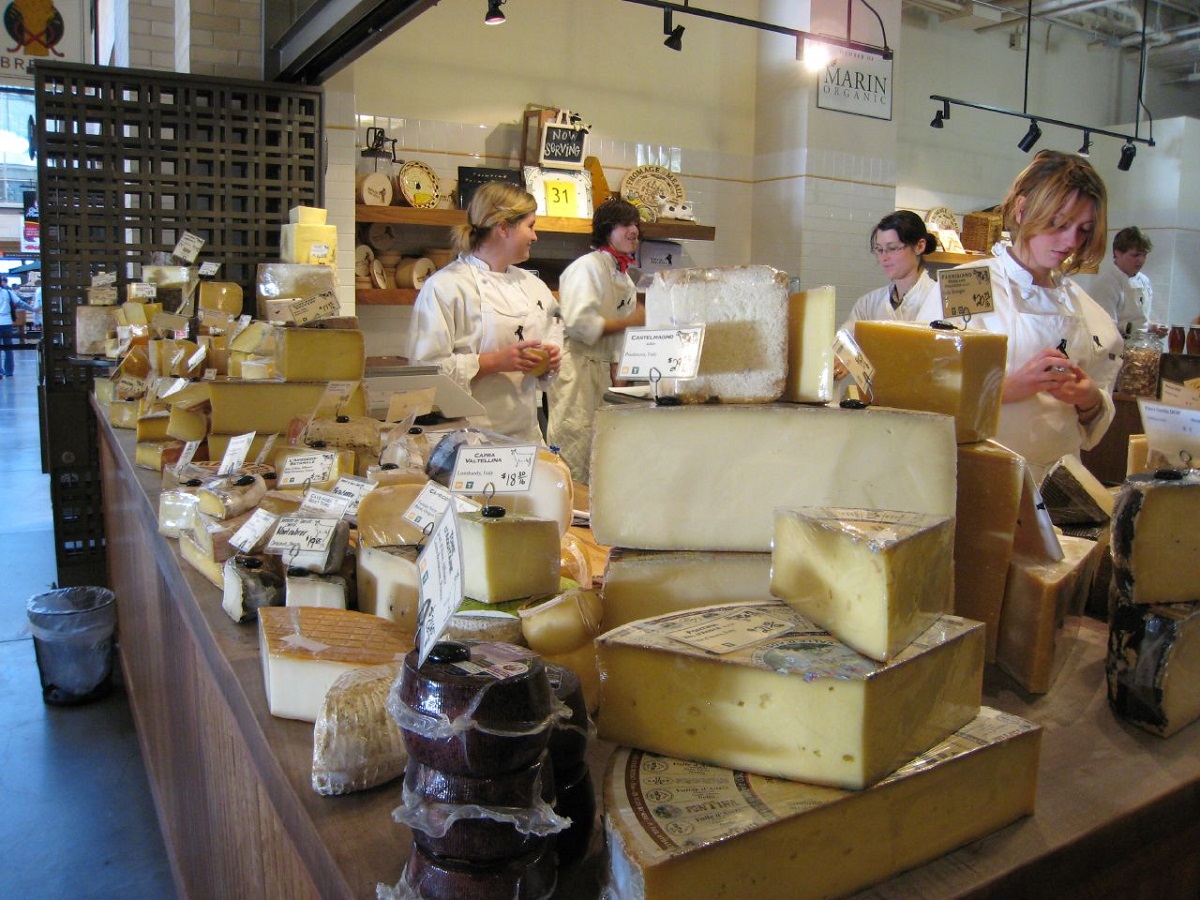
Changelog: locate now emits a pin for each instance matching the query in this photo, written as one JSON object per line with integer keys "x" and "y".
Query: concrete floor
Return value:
{"x": 77, "y": 819}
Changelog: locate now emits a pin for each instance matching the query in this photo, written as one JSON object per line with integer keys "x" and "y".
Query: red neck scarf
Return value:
{"x": 624, "y": 260}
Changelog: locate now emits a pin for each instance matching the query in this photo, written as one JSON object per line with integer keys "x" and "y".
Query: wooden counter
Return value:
{"x": 1118, "y": 809}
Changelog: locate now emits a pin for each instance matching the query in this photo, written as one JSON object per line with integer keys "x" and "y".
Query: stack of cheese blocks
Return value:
{"x": 1153, "y": 665}
{"x": 307, "y": 239}
{"x": 857, "y": 689}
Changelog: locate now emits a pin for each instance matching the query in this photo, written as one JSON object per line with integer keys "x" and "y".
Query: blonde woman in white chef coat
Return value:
{"x": 486, "y": 323}
{"x": 1063, "y": 347}
{"x": 598, "y": 301}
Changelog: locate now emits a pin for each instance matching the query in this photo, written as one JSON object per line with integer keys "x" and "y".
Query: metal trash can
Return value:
{"x": 73, "y": 640}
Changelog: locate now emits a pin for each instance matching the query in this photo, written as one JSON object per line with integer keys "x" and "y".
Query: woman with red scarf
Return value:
{"x": 598, "y": 301}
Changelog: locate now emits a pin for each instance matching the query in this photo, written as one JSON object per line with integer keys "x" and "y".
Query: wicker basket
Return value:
{"x": 981, "y": 230}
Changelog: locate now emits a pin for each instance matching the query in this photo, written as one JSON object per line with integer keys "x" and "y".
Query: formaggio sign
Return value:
{"x": 858, "y": 83}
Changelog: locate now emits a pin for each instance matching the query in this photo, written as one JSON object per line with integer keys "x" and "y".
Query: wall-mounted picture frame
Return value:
{"x": 471, "y": 178}
{"x": 560, "y": 193}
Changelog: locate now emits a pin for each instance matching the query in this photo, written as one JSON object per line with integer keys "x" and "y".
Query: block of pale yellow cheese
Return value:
{"x": 1137, "y": 458}
{"x": 760, "y": 688}
{"x": 155, "y": 454}
{"x": 1153, "y": 665}
{"x": 1155, "y": 538}
{"x": 309, "y": 244}
{"x": 319, "y": 354}
{"x": 241, "y": 406}
{"x": 812, "y": 322}
{"x": 93, "y": 324}
{"x": 506, "y": 556}
{"x": 140, "y": 313}
{"x": 123, "y": 413}
{"x": 679, "y": 829}
{"x": 958, "y": 373}
{"x": 187, "y": 424}
{"x": 388, "y": 583}
{"x": 708, "y": 477}
{"x": 305, "y": 588}
{"x": 1042, "y": 605}
{"x": 307, "y": 215}
{"x": 874, "y": 579}
{"x": 153, "y": 427}
{"x": 990, "y": 481}
{"x": 193, "y": 554}
{"x": 304, "y": 650}
{"x": 641, "y": 584}
{"x": 744, "y": 309}
{"x": 225, "y": 296}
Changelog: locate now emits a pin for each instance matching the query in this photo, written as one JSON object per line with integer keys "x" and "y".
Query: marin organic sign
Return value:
{"x": 858, "y": 83}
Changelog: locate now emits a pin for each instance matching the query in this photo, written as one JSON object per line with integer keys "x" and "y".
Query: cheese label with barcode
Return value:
{"x": 305, "y": 468}
{"x": 494, "y": 470}
{"x": 432, "y": 502}
{"x": 189, "y": 246}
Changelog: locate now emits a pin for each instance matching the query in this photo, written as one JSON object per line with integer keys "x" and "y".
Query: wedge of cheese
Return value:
{"x": 1155, "y": 541}
{"x": 706, "y": 685}
{"x": 232, "y": 495}
{"x": 1074, "y": 496}
{"x": 194, "y": 555}
{"x": 381, "y": 519}
{"x": 153, "y": 427}
{"x": 359, "y": 434}
{"x": 1153, "y": 665}
{"x": 681, "y": 829}
{"x": 388, "y": 584}
{"x": 304, "y": 649}
{"x": 990, "y": 481}
{"x": 225, "y": 296}
{"x": 717, "y": 472}
{"x": 1042, "y": 605}
{"x": 958, "y": 373}
{"x": 642, "y": 584}
{"x": 319, "y": 354}
{"x": 251, "y": 582}
{"x": 812, "y": 322}
{"x": 264, "y": 406}
{"x": 874, "y": 579}
{"x": 93, "y": 324}
{"x": 507, "y": 556}
{"x": 305, "y": 588}
{"x": 745, "y": 313}
{"x": 187, "y": 424}
{"x": 156, "y": 455}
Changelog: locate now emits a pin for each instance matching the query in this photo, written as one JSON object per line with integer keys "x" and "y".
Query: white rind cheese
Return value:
{"x": 796, "y": 705}
{"x": 710, "y": 477}
{"x": 388, "y": 583}
{"x": 356, "y": 742}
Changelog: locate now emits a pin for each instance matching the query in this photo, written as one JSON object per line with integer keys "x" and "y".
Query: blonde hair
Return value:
{"x": 1046, "y": 185}
{"x": 495, "y": 202}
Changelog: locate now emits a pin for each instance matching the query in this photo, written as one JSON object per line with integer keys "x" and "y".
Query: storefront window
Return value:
{"x": 18, "y": 170}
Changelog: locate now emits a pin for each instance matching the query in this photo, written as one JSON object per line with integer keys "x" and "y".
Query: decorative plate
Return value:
{"x": 942, "y": 217}
{"x": 418, "y": 185}
{"x": 648, "y": 183}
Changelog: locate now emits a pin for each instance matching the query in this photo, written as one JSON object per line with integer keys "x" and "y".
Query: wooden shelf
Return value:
{"x": 385, "y": 297}
{"x": 446, "y": 218}
{"x": 953, "y": 259}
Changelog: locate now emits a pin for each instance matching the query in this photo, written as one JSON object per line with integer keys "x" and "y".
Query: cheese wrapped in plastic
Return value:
{"x": 1153, "y": 665}
{"x": 356, "y": 743}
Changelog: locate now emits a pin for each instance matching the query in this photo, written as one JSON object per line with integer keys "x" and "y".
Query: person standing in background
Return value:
{"x": 10, "y": 303}
{"x": 486, "y": 323}
{"x": 598, "y": 301}
{"x": 898, "y": 242}
{"x": 1121, "y": 288}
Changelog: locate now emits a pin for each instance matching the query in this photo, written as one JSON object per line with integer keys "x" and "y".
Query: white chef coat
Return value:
{"x": 590, "y": 290}
{"x": 466, "y": 309}
{"x": 1126, "y": 299}
{"x": 877, "y": 305}
{"x": 1041, "y": 428}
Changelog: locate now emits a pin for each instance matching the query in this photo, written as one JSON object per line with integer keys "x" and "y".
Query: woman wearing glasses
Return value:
{"x": 898, "y": 242}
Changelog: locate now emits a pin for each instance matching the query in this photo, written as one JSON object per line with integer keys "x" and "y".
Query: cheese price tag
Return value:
{"x": 352, "y": 490}
{"x": 318, "y": 253}
{"x": 217, "y": 321}
{"x": 209, "y": 375}
{"x": 324, "y": 504}
{"x": 846, "y": 349}
{"x": 966, "y": 292}
{"x": 188, "y": 247}
{"x": 336, "y": 393}
{"x": 198, "y": 357}
{"x": 124, "y": 338}
{"x": 432, "y": 502}
{"x": 560, "y": 199}
{"x": 242, "y": 323}
{"x": 130, "y": 386}
{"x": 186, "y": 454}
{"x": 300, "y": 534}
{"x": 209, "y": 269}
{"x": 268, "y": 445}
{"x": 235, "y": 453}
{"x": 306, "y": 468}
{"x": 733, "y": 629}
{"x": 141, "y": 290}
{"x": 1035, "y": 535}
{"x": 439, "y": 568}
{"x": 497, "y": 470}
{"x": 1185, "y": 396}
{"x": 253, "y": 530}
{"x": 410, "y": 403}
{"x": 1173, "y": 432}
{"x": 169, "y": 322}
{"x": 324, "y": 305}
{"x": 669, "y": 352}
{"x": 104, "y": 279}
{"x": 169, "y": 387}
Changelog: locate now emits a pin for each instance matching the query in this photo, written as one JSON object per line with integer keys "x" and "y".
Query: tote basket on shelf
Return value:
{"x": 981, "y": 230}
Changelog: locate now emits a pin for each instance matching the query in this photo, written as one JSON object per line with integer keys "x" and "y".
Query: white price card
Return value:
{"x": 439, "y": 568}
{"x": 169, "y": 387}
{"x": 124, "y": 338}
{"x": 324, "y": 305}
{"x": 353, "y": 490}
{"x": 253, "y": 530}
{"x": 301, "y": 534}
{"x": 966, "y": 291}
{"x": 242, "y": 322}
{"x": 846, "y": 348}
{"x": 141, "y": 290}
{"x": 186, "y": 454}
{"x": 494, "y": 469}
{"x": 104, "y": 279}
{"x": 323, "y": 504}
{"x": 1172, "y": 431}
{"x": 268, "y": 445}
{"x": 217, "y": 321}
{"x": 189, "y": 246}
{"x": 209, "y": 375}
{"x": 318, "y": 253}
{"x": 1183, "y": 395}
{"x": 197, "y": 358}
{"x": 669, "y": 352}
{"x": 1035, "y": 535}
{"x": 209, "y": 269}
{"x": 235, "y": 453}
{"x": 432, "y": 502}
{"x": 733, "y": 629}
{"x": 307, "y": 468}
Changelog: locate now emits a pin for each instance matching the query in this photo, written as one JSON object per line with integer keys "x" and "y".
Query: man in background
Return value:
{"x": 1121, "y": 288}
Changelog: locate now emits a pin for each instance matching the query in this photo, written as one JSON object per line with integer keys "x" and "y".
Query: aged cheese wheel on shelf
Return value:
{"x": 412, "y": 272}
{"x": 374, "y": 189}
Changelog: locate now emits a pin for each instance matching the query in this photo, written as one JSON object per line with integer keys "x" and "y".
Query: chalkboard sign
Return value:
{"x": 471, "y": 178}
{"x": 563, "y": 146}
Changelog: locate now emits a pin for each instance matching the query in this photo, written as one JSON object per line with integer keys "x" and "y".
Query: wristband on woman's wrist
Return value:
{"x": 1085, "y": 413}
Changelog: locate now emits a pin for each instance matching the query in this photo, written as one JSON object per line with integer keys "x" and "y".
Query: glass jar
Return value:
{"x": 1192, "y": 347}
{"x": 1176, "y": 338}
{"x": 1139, "y": 366}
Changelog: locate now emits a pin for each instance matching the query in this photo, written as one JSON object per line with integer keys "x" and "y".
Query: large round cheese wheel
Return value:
{"x": 374, "y": 189}
{"x": 412, "y": 272}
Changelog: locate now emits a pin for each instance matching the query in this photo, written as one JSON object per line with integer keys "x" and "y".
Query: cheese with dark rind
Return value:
{"x": 1153, "y": 665}
{"x": 251, "y": 582}
{"x": 797, "y": 704}
{"x": 679, "y": 829}
{"x": 1155, "y": 541}
{"x": 529, "y": 877}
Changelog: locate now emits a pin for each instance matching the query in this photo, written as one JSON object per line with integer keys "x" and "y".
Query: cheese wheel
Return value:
{"x": 374, "y": 189}
{"x": 411, "y": 273}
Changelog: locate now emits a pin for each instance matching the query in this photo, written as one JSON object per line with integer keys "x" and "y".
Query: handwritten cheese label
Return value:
{"x": 301, "y": 534}
{"x": 1172, "y": 431}
{"x": 307, "y": 468}
{"x": 189, "y": 246}
{"x": 104, "y": 279}
{"x": 669, "y": 352}
{"x": 352, "y": 489}
{"x": 432, "y": 502}
{"x": 439, "y": 568}
{"x": 209, "y": 269}
{"x": 497, "y": 470}
{"x": 324, "y": 305}
{"x": 966, "y": 291}
{"x": 235, "y": 453}
{"x": 141, "y": 291}
{"x": 324, "y": 504}
{"x": 253, "y": 530}
{"x": 738, "y": 628}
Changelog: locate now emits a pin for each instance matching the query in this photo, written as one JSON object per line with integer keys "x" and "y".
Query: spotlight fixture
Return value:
{"x": 674, "y": 34}
{"x": 1032, "y": 136}
{"x": 1128, "y": 152}
{"x": 1085, "y": 149}
{"x": 941, "y": 115}
{"x": 494, "y": 15}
